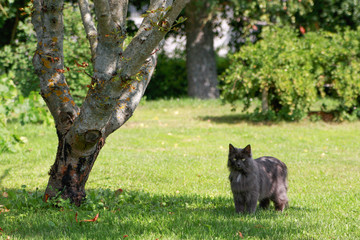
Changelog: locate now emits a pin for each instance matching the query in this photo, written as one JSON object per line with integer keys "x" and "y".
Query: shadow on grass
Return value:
{"x": 4, "y": 175}
{"x": 235, "y": 119}
{"x": 140, "y": 215}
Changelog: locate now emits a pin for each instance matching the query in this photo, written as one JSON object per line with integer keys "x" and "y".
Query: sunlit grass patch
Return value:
{"x": 169, "y": 161}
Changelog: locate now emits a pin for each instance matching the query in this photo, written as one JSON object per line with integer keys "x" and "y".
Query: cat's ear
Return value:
{"x": 247, "y": 150}
{"x": 231, "y": 148}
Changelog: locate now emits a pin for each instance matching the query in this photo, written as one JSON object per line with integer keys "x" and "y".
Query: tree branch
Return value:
{"x": 131, "y": 96}
{"x": 89, "y": 26}
{"x": 105, "y": 23}
{"x": 148, "y": 36}
{"x": 48, "y": 63}
{"x": 132, "y": 92}
{"x": 36, "y": 19}
{"x": 117, "y": 82}
{"x": 119, "y": 12}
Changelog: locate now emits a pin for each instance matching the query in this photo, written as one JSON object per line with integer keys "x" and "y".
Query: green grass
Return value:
{"x": 170, "y": 160}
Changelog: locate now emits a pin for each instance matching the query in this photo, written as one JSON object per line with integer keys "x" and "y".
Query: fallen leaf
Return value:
{"x": 3, "y": 209}
{"x": 87, "y": 220}
{"x": 91, "y": 220}
{"x": 5, "y": 194}
{"x": 60, "y": 70}
{"x": 240, "y": 234}
{"x": 118, "y": 192}
{"x": 125, "y": 236}
{"x": 46, "y": 197}
{"x": 1, "y": 229}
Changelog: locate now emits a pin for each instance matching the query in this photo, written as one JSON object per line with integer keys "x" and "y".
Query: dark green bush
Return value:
{"x": 169, "y": 79}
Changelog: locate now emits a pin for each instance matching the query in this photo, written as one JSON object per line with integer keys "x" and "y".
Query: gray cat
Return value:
{"x": 262, "y": 179}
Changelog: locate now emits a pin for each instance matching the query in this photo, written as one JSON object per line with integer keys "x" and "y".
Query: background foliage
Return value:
{"x": 247, "y": 18}
{"x": 294, "y": 70}
{"x": 168, "y": 80}
{"x": 16, "y": 58}
{"x": 16, "y": 108}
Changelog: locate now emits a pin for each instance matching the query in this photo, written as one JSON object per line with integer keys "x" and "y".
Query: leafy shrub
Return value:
{"x": 278, "y": 64}
{"x": 16, "y": 59}
{"x": 336, "y": 64}
{"x": 8, "y": 93}
{"x": 10, "y": 142}
{"x": 293, "y": 70}
{"x": 15, "y": 107}
{"x": 76, "y": 49}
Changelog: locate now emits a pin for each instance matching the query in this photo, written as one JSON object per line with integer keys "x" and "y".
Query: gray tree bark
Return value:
{"x": 119, "y": 81}
{"x": 265, "y": 100}
{"x": 200, "y": 54}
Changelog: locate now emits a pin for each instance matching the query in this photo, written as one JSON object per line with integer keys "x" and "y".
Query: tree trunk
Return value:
{"x": 200, "y": 54}
{"x": 72, "y": 167}
{"x": 265, "y": 100}
{"x": 119, "y": 81}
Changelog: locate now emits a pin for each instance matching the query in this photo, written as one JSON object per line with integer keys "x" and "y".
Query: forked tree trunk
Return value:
{"x": 200, "y": 54}
{"x": 119, "y": 81}
{"x": 72, "y": 167}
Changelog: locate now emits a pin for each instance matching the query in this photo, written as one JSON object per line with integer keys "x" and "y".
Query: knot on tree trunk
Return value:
{"x": 92, "y": 136}
{"x": 86, "y": 142}
{"x": 66, "y": 120}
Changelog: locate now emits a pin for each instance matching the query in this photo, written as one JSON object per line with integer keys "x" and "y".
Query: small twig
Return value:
{"x": 156, "y": 50}
{"x": 89, "y": 75}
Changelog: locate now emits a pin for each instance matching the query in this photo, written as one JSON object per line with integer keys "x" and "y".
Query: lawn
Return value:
{"x": 170, "y": 160}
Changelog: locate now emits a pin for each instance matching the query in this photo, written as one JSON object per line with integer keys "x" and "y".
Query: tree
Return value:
{"x": 117, "y": 85}
{"x": 200, "y": 54}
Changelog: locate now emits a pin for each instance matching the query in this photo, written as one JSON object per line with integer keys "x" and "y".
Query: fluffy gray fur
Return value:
{"x": 262, "y": 179}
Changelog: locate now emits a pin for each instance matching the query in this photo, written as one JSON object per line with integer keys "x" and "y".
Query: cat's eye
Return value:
{"x": 243, "y": 159}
